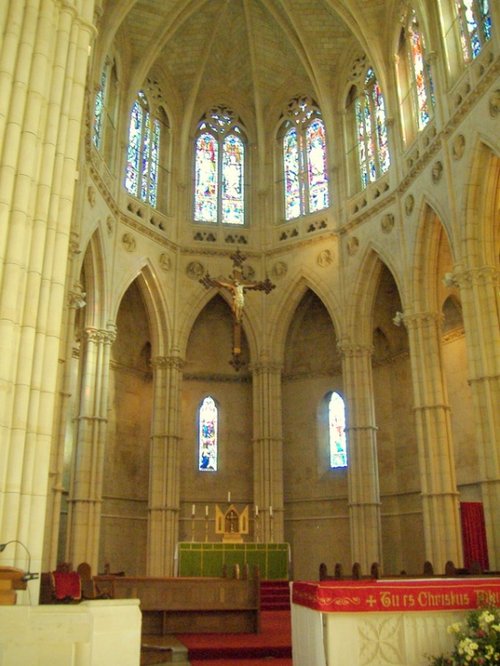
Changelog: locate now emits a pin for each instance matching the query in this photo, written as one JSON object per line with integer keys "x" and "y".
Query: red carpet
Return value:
{"x": 273, "y": 644}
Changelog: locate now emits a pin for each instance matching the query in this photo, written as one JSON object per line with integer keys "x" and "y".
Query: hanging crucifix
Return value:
{"x": 237, "y": 284}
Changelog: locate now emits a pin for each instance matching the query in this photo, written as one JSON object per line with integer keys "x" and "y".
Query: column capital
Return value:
{"x": 354, "y": 350}
{"x": 412, "y": 320}
{"x": 267, "y": 367}
{"x": 469, "y": 277}
{"x": 101, "y": 335}
{"x": 170, "y": 362}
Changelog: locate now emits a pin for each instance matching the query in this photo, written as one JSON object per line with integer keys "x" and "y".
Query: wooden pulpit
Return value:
{"x": 11, "y": 579}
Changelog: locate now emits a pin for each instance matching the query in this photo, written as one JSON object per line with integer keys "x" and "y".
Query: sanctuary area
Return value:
{"x": 249, "y": 289}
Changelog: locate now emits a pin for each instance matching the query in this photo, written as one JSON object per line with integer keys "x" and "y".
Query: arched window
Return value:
{"x": 219, "y": 190}
{"x": 144, "y": 149}
{"x": 207, "y": 435}
{"x": 475, "y": 26}
{"x": 414, "y": 79}
{"x": 304, "y": 159}
{"x": 105, "y": 110}
{"x": 371, "y": 130}
{"x": 337, "y": 425}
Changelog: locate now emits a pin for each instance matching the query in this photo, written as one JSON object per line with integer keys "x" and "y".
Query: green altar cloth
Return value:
{"x": 208, "y": 559}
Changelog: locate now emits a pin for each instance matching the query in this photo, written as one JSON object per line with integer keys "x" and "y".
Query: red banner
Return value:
{"x": 394, "y": 595}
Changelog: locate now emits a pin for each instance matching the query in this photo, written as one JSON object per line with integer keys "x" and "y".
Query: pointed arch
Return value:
{"x": 431, "y": 233}
{"x": 290, "y": 299}
{"x": 362, "y": 297}
{"x": 160, "y": 324}
{"x": 480, "y": 241}
{"x": 96, "y": 287}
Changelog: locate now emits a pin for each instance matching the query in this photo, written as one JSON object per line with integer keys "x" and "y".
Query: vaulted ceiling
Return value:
{"x": 256, "y": 51}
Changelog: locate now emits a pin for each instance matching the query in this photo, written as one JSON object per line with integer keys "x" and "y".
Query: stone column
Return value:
{"x": 363, "y": 481}
{"x": 435, "y": 444}
{"x": 43, "y": 67}
{"x": 268, "y": 450}
{"x": 479, "y": 291}
{"x": 164, "y": 475}
{"x": 85, "y": 499}
{"x": 63, "y": 437}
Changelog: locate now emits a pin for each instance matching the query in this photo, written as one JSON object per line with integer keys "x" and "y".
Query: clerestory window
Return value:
{"x": 305, "y": 174}
{"x": 220, "y": 156}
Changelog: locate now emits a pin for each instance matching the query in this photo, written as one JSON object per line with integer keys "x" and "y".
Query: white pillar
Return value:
{"x": 435, "y": 444}
{"x": 363, "y": 481}
{"x": 164, "y": 467}
{"x": 268, "y": 450}
{"x": 480, "y": 306}
{"x": 85, "y": 498}
{"x": 43, "y": 67}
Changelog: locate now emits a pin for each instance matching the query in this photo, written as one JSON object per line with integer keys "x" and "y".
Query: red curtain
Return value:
{"x": 474, "y": 534}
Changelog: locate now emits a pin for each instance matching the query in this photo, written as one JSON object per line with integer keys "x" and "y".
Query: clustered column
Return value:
{"x": 435, "y": 444}
{"x": 164, "y": 471}
{"x": 43, "y": 67}
{"x": 268, "y": 450}
{"x": 479, "y": 289}
{"x": 85, "y": 499}
{"x": 364, "y": 493}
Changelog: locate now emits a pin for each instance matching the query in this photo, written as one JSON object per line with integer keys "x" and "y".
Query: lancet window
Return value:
{"x": 305, "y": 172}
{"x": 337, "y": 426}
{"x": 105, "y": 110}
{"x": 414, "y": 78}
{"x": 220, "y": 152}
{"x": 371, "y": 130}
{"x": 475, "y": 26}
{"x": 208, "y": 415}
{"x": 144, "y": 148}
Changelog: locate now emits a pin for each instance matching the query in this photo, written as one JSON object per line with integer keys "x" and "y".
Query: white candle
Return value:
{"x": 256, "y": 510}
{"x": 229, "y": 496}
{"x": 206, "y": 510}
{"x": 193, "y": 508}
{"x": 270, "y": 512}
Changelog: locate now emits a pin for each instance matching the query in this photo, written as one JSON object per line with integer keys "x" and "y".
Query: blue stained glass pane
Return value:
{"x": 206, "y": 179}
{"x": 155, "y": 159}
{"x": 207, "y": 439}
{"x": 233, "y": 208}
{"x": 316, "y": 163}
{"x": 146, "y": 149}
{"x": 420, "y": 73}
{"x": 360, "y": 128}
{"x": 99, "y": 112}
{"x": 381, "y": 129}
{"x": 293, "y": 207}
{"x": 338, "y": 445}
{"x": 134, "y": 149}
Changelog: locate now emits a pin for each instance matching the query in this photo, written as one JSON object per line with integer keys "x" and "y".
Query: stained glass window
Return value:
{"x": 337, "y": 425}
{"x": 371, "y": 129}
{"x": 305, "y": 171}
{"x": 99, "y": 111}
{"x": 475, "y": 26}
{"x": 420, "y": 71}
{"x": 207, "y": 437}
{"x": 143, "y": 152}
{"x": 219, "y": 191}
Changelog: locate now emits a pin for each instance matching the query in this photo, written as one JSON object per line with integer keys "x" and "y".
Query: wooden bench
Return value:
{"x": 190, "y": 605}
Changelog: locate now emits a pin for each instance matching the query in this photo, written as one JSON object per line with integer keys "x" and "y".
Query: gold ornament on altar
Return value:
{"x": 231, "y": 523}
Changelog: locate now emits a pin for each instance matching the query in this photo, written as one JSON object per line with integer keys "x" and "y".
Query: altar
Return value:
{"x": 209, "y": 559}
{"x": 381, "y": 622}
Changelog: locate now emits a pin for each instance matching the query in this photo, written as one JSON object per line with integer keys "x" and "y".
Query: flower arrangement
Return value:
{"x": 477, "y": 640}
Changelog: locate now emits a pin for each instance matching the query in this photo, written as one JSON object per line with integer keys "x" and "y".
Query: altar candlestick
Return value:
{"x": 256, "y": 510}
{"x": 193, "y": 510}
{"x": 229, "y": 497}
{"x": 270, "y": 512}
{"x": 206, "y": 510}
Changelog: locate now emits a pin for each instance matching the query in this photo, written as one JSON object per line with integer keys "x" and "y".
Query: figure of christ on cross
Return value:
{"x": 237, "y": 285}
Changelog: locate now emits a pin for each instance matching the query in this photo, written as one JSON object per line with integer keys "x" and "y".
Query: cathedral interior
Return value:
{"x": 250, "y": 257}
